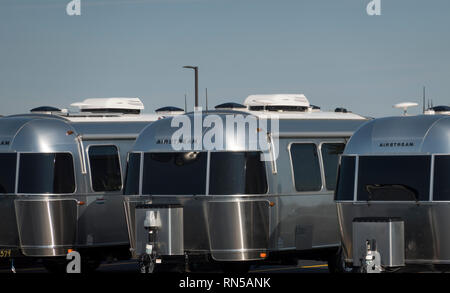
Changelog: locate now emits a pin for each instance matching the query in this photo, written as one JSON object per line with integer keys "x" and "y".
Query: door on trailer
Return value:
{"x": 309, "y": 218}
{"x": 104, "y": 217}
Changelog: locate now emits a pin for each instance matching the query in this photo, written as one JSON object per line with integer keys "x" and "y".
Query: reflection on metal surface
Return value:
{"x": 46, "y": 226}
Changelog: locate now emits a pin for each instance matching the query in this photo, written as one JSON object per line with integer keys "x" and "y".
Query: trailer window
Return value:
{"x": 441, "y": 189}
{"x": 330, "y": 155}
{"x": 306, "y": 168}
{"x": 394, "y": 178}
{"x": 105, "y": 168}
{"x": 174, "y": 173}
{"x": 132, "y": 175}
{"x": 7, "y": 173}
{"x": 46, "y": 173}
{"x": 237, "y": 173}
{"x": 346, "y": 183}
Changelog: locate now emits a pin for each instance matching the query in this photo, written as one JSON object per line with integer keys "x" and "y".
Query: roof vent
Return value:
{"x": 230, "y": 105}
{"x": 443, "y": 110}
{"x": 111, "y": 105}
{"x": 169, "y": 110}
{"x": 341, "y": 110}
{"x": 45, "y": 109}
{"x": 277, "y": 102}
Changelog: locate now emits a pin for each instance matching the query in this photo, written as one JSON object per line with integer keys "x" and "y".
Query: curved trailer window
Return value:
{"x": 237, "y": 173}
{"x": 330, "y": 155}
{"x": 185, "y": 173}
{"x": 441, "y": 189}
{"x": 346, "y": 179}
{"x": 306, "y": 168}
{"x": 132, "y": 174}
{"x": 394, "y": 178}
{"x": 46, "y": 173}
{"x": 174, "y": 173}
{"x": 7, "y": 173}
{"x": 105, "y": 168}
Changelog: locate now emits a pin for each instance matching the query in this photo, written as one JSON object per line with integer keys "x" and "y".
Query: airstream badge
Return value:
{"x": 175, "y": 141}
{"x": 396, "y": 144}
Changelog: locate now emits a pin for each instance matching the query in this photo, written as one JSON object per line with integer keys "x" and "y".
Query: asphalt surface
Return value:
{"x": 131, "y": 266}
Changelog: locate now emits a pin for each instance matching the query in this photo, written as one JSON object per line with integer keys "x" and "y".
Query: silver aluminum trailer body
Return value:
{"x": 398, "y": 167}
{"x": 221, "y": 221}
{"x": 49, "y": 202}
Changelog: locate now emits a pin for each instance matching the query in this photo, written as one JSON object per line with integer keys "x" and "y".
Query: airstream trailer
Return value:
{"x": 61, "y": 178}
{"x": 393, "y": 194}
{"x": 269, "y": 201}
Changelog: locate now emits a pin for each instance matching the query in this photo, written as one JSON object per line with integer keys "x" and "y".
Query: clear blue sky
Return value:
{"x": 330, "y": 50}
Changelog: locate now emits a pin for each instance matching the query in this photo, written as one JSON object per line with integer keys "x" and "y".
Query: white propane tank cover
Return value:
{"x": 110, "y": 103}
{"x": 277, "y": 100}
{"x": 152, "y": 219}
{"x": 405, "y": 106}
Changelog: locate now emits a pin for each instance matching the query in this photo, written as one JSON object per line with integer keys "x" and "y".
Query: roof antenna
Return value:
{"x": 185, "y": 103}
{"x": 423, "y": 105}
{"x": 206, "y": 99}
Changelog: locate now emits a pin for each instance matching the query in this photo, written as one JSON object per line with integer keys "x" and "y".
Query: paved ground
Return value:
{"x": 131, "y": 267}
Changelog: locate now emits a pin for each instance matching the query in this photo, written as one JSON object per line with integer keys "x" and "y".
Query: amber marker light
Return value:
{"x": 271, "y": 203}
{"x": 263, "y": 255}
{"x": 69, "y": 132}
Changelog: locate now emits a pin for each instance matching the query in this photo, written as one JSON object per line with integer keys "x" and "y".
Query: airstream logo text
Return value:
{"x": 396, "y": 144}
{"x": 171, "y": 141}
{"x": 231, "y": 132}
{"x": 4, "y": 142}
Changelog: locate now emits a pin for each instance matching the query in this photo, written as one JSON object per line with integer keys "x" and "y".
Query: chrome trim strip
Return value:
{"x": 239, "y": 250}
{"x": 432, "y": 178}
{"x": 313, "y": 134}
{"x": 141, "y": 172}
{"x": 208, "y": 164}
{"x": 131, "y": 136}
{"x": 355, "y": 186}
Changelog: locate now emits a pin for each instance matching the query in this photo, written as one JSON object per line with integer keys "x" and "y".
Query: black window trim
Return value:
{"x": 92, "y": 191}
{"x": 50, "y": 194}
